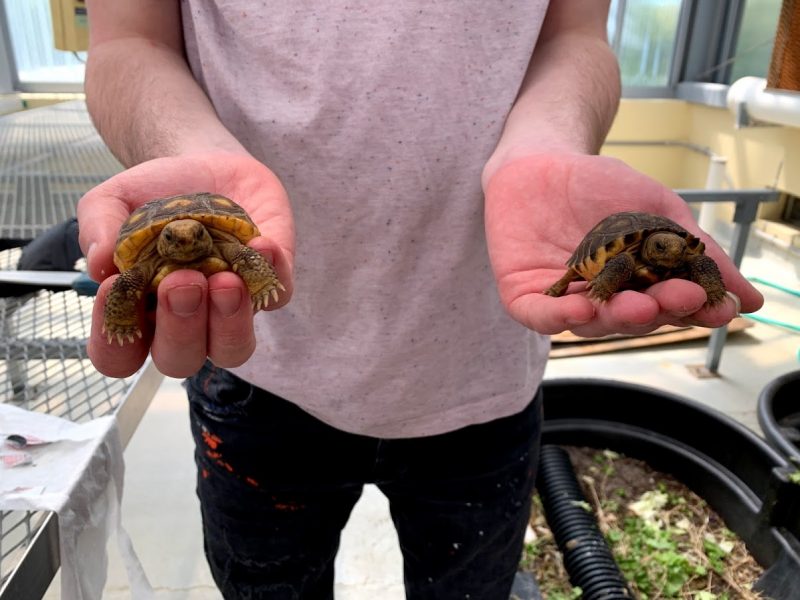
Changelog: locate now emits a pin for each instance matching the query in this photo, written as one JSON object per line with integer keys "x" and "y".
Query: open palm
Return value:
{"x": 538, "y": 208}
{"x": 179, "y": 345}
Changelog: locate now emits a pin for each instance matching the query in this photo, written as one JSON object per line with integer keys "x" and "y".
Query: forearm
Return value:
{"x": 146, "y": 104}
{"x": 567, "y": 101}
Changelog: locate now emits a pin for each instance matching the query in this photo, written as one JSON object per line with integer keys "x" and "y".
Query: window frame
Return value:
{"x": 9, "y": 79}
{"x": 9, "y": 75}
{"x": 693, "y": 76}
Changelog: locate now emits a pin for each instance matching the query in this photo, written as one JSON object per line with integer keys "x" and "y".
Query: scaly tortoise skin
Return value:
{"x": 204, "y": 232}
{"x": 633, "y": 250}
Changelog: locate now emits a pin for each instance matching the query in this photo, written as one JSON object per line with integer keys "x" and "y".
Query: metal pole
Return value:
{"x": 743, "y": 217}
{"x": 719, "y": 335}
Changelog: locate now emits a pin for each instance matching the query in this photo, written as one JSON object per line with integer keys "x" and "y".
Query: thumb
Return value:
{"x": 100, "y": 215}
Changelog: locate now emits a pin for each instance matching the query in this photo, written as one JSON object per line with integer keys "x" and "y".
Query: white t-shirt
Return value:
{"x": 378, "y": 118}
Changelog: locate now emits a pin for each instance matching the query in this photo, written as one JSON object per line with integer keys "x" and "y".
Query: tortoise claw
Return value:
{"x": 261, "y": 301}
{"x": 597, "y": 298}
{"x": 596, "y": 293}
{"x": 121, "y": 335}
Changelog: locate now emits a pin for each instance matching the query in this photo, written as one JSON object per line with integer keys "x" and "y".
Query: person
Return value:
{"x": 437, "y": 164}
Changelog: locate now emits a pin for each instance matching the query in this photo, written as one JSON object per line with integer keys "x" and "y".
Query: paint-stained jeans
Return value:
{"x": 276, "y": 487}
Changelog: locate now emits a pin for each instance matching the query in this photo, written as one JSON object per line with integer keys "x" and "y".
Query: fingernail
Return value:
{"x": 185, "y": 300}
{"x": 89, "y": 257}
{"x": 227, "y": 301}
{"x": 736, "y": 300}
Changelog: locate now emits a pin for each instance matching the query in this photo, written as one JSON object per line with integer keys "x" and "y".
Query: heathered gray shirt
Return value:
{"x": 378, "y": 117}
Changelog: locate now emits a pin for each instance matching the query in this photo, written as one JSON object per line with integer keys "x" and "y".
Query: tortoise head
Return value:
{"x": 664, "y": 249}
{"x": 184, "y": 240}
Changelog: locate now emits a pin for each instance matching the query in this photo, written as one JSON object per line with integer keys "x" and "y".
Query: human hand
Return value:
{"x": 538, "y": 209}
{"x": 195, "y": 317}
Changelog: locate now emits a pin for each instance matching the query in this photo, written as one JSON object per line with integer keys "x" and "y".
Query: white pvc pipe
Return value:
{"x": 770, "y": 106}
{"x": 715, "y": 180}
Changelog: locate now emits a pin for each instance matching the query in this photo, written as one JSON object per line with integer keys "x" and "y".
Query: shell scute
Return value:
{"x": 144, "y": 224}
{"x": 622, "y": 232}
{"x": 617, "y": 254}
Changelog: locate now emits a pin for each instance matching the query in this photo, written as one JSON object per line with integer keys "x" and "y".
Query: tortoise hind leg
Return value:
{"x": 121, "y": 312}
{"x": 704, "y": 272}
{"x": 560, "y": 286}
{"x": 616, "y": 272}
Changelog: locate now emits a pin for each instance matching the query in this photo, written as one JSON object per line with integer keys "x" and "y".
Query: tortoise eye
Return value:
{"x": 168, "y": 235}
{"x": 199, "y": 233}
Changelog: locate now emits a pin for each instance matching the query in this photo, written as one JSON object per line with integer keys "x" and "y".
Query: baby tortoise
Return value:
{"x": 633, "y": 250}
{"x": 205, "y": 232}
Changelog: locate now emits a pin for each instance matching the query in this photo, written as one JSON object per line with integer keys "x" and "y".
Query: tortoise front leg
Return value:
{"x": 614, "y": 274}
{"x": 121, "y": 314}
{"x": 259, "y": 276}
{"x": 704, "y": 272}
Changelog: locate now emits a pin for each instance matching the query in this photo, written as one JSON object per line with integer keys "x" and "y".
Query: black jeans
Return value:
{"x": 276, "y": 487}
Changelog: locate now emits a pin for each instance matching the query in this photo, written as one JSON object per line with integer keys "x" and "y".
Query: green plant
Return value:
{"x": 652, "y": 558}
{"x": 574, "y": 594}
{"x": 666, "y": 540}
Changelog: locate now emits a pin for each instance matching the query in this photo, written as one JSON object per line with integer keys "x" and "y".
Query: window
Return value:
{"x": 38, "y": 62}
{"x": 643, "y": 35}
{"x": 756, "y": 37}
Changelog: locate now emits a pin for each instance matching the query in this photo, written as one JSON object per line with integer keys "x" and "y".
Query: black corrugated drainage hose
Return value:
{"x": 587, "y": 558}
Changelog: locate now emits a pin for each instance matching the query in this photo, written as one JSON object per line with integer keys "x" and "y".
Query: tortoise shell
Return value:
{"x": 623, "y": 232}
{"x": 144, "y": 224}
